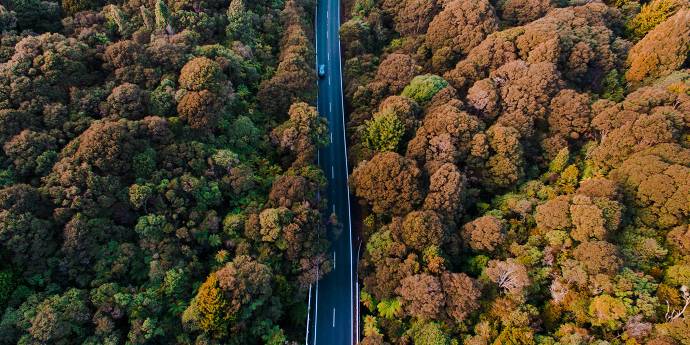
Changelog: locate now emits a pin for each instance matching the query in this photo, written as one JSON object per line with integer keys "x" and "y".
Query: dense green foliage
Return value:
{"x": 148, "y": 195}
{"x": 384, "y": 132}
{"x": 423, "y": 88}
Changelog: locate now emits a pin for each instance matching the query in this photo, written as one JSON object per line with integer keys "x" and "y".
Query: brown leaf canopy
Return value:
{"x": 422, "y": 296}
{"x": 397, "y": 70}
{"x": 461, "y": 26}
{"x": 389, "y": 182}
{"x": 244, "y": 280}
{"x": 444, "y": 137}
{"x": 522, "y": 11}
{"x": 662, "y": 50}
{"x": 522, "y": 93}
{"x": 647, "y": 117}
{"x": 484, "y": 233}
{"x": 446, "y": 192}
{"x": 577, "y": 39}
{"x": 421, "y": 229}
{"x": 411, "y": 17}
{"x": 598, "y": 257}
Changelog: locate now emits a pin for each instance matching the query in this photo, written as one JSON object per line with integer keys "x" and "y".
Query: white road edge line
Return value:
{"x": 332, "y": 172}
{"x": 316, "y": 306}
{"x": 357, "y": 296}
{"x": 318, "y": 158}
{"x": 357, "y": 303}
{"x": 306, "y": 338}
{"x": 347, "y": 182}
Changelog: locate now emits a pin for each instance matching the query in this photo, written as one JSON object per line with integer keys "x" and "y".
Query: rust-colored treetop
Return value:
{"x": 662, "y": 50}
{"x": 522, "y": 169}
{"x": 158, "y": 181}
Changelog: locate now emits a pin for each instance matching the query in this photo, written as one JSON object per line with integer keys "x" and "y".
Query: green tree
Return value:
{"x": 607, "y": 311}
{"x": 151, "y": 227}
{"x": 429, "y": 334}
{"x": 613, "y": 86}
{"x": 678, "y": 275}
{"x": 163, "y": 15}
{"x": 209, "y": 309}
{"x": 651, "y": 15}
{"x": 8, "y": 19}
{"x": 139, "y": 195}
{"x": 558, "y": 163}
{"x": 384, "y": 132}
{"x": 390, "y": 308}
{"x": 515, "y": 336}
{"x": 240, "y": 23}
{"x": 7, "y": 285}
{"x": 74, "y": 6}
{"x": 424, "y": 87}
{"x": 38, "y": 15}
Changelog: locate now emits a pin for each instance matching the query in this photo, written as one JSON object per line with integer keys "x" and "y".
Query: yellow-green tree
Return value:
{"x": 651, "y": 15}
{"x": 384, "y": 131}
{"x": 208, "y": 310}
{"x": 606, "y": 311}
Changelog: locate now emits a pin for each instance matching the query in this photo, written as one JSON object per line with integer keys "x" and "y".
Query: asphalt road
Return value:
{"x": 331, "y": 318}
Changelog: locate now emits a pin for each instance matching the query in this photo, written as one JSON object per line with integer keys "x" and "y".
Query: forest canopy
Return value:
{"x": 151, "y": 190}
{"x": 523, "y": 170}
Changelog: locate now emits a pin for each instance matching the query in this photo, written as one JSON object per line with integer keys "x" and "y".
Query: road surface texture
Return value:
{"x": 331, "y": 318}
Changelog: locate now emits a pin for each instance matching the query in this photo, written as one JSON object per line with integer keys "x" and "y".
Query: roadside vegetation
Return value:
{"x": 522, "y": 166}
{"x": 157, "y": 183}
{"x": 523, "y": 169}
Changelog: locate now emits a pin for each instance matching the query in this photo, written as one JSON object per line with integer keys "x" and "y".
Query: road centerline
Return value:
{"x": 337, "y": 285}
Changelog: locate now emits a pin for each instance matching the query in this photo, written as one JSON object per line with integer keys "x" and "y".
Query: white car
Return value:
{"x": 322, "y": 71}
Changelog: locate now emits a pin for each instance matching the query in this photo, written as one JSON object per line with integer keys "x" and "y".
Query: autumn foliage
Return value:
{"x": 522, "y": 168}
{"x": 151, "y": 190}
